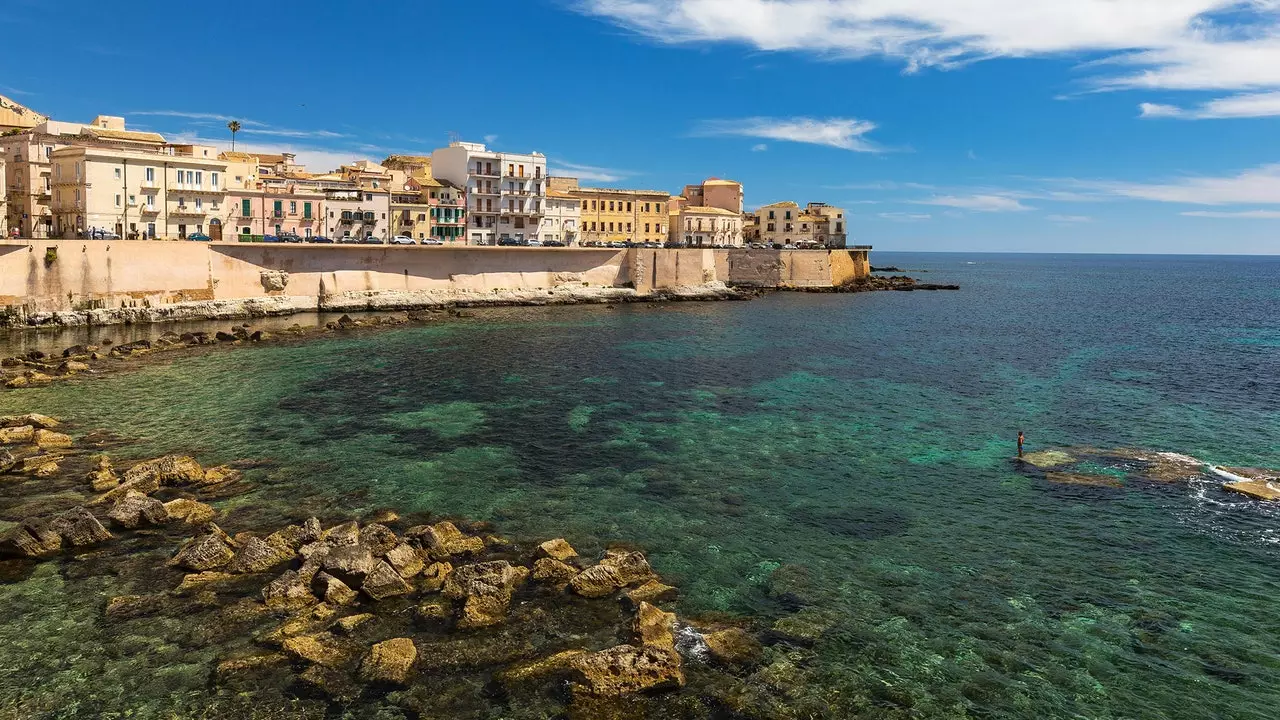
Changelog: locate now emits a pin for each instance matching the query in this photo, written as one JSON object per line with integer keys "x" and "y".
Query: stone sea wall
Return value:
{"x": 104, "y": 282}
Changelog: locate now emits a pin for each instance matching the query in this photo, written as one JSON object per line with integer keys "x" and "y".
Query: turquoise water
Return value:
{"x": 860, "y": 442}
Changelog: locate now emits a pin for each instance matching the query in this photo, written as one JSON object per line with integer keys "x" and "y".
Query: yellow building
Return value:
{"x": 410, "y": 211}
{"x": 608, "y": 215}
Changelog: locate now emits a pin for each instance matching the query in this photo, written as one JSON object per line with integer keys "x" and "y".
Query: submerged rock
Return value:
{"x": 322, "y": 649}
{"x": 558, "y": 549}
{"x": 626, "y": 669}
{"x": 17, "y": 435}
{"x": 190, "y": 512}
{"x": 196, "y": 581}
{"x": 288, "y": 592}
{"x": 335, "y": 684}
{"x": 734, "y": 646}
{"x": 542, "y": 670}
{"x": 383, "y": 582}
{"x": 256, "y": 555}
{"x": 1046, "y": 459}
{"x": 125, "y": 607}
{"x": 205, "y": 552}
{"x": 351, "y": 623}
{"x": 135, "y": 510}
{"x": 79, "y": 527}
{"x": 389, "y": 662}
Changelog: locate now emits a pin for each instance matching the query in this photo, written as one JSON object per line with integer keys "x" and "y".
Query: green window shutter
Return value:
{"x": 245, "y": 209}
{"x": 306, "y": 210}
{"x": 279, "y": 205}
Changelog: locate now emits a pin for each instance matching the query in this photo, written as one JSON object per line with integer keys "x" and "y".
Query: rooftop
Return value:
{"x": 718, "y": 181}
{"x": 784, "y": 204}
{"x": 127, "y": 135}
{"x": 702, "y": 210}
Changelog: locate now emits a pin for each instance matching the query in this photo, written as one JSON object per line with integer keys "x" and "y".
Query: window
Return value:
{"x": 77, "y": 170}
{"x": 628, "y": 206}
{"x": 368, "y": 217}
{"x": 771, "y": 216}
{"x": 57, "y": 171}
{"x": 151, "y": 175}
{"x": 117, "y": 176}
{"x": 213, "y": 180}
{"x": 770, "y": 227}
{"x": 151, "y": 202}
{"x": 646, "y": 227}
{"x": 610, "y": 205}
{"x": 584, "y": 204}
{"x": 245, "y": 210}
{"x": 368, "y": 197}
{"x": 593, "y": 204}
{"x": 422, "y": 217}
{"x": 199, "y": 179}
{"x": 199, "y": 204}
{"x": 306, "y": 210}
{"x": 788, "y": 215}
{"x": 117, "y": 201}
{"x": 511, "y": 169}
{"x": 293, "y": 207}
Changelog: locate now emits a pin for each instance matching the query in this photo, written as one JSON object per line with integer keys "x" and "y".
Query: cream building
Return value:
{"x": 27, "y": 152}
{"x": 709, "y": 227}
{"x": 506, "y": 192}
{"x": 169, "y": 193}
{"x": 611, "y": 215}
{"x": 562, "y": 221}
{"x": 833, "y": 227}
{"x": 817, "y": 225}
{"x": 356, "y": 213}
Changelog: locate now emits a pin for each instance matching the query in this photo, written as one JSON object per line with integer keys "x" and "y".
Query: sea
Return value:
{"x": 858, "y": 449}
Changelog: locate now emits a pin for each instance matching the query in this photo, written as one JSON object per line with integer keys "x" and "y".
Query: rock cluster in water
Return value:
{"x": 352, "y": 611}
{"x": 1119, "y": 467}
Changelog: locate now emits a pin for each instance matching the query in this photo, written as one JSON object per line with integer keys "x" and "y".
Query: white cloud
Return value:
{"x": 490, "y": 139}
{"x": 1242, "y": 215}
{"x": 904, "y": 216}
{"x": 842, "y": 133}
{"x": 1143, "y": 44}
{"x": 197, "y": 116}
{"x": 302, "y": 134}
{"x": 589, "y": 173}
{"x": 759, "y": 147}
{"x": 977, "y": 203}
{"x": 1068, "y": 219}
{"x": 1246, "y": 105}
{"x": 1258, "y": 186}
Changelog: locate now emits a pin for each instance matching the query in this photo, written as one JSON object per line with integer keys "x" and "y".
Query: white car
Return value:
{"x": 402, "y": 240}
{"x": 431, "y": 241}
{"x": 533, "y": 243}
{"x": 789, "y": 246}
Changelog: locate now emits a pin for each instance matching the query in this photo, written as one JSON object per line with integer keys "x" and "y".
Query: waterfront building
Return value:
{"x": 709, "y": 226}
{"x": 29, "y": 187}
{"x": 269, "y": 195}
{"x": 817, "y": 225}
{"x": 505, "y": 192}
{"x": 169, "y": 192}
{"x": 714, "y": 192}
{"x": 355, "y": 212}
{"x": 410, "y": 211}
{"x": 614, "y": 215}
{"x": 563, "y": 217}
{"x": 448, "y": 203}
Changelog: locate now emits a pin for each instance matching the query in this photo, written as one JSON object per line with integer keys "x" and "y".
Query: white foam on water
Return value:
{"x": 1180, "y": 458}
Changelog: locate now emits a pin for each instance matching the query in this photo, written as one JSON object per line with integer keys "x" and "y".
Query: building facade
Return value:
{"x": 817, "y": 225}
{"x": 714, "y": 192}
{"x": 166, "y": 194}
{"x": 355, "y": 213}
{"x": 608, "y": 215}
{"x": 448, "y": 203}
{"x": 505, "y": 192}
{"x": 410, "y": 211}
{"x": 708, "y": 227}
{"x": 563, "y": 217}
{"x": 834, "y": 227}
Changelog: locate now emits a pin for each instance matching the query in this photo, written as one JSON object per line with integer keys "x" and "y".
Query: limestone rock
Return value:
{"x": 345, "y": 534}
{"x": 805, "y": 627}
{"x": 205, "y": 552}
{"x": 542, "y": 670}
{"x": 290, "y": 536}
{"x": 7, "y": 461}
{"x": 654, "y": 628}
{"x": 196, "y": 581}
{"x": 124, "y": 607}
{"x": 256, "y": 555}
{"x": 17, "y": 435}
{"x": 351, "y": 623}
{"x": 321, "y": 649}
{"x": 103, "y": 478}
{"x": 487, "y": 588}
{"x": 48, "y": 439}
{"x": 79, "y": 527}
{"x": 389, "y": 662}
{"x": 190, "y": 512}
{"x": 33, "y": 538}
{"x": 383, "y": 582}
{"x": 331, "y": 682}
{"x": 626, "y": 669}
{"x": 47, "y": 469}
{"x": 378, "y": 538}
{"x": 435, "y": 611}
{"x": 135, "y": 510}
{"x": 333, "y": 590}
{"x": 288, "y": 592}
{"x": 445, "y": 540}
{"x": 71, "y": 367}
{"x": 311, "y": 530}
{"x": 219, "y": 475}
{"x": 557, "y": 549}
{"x": 405, "y": 560}
{"x": 433, "y": 578}
{"x": 35, "y": 420}
{"x": 1048, "y": 459}
{"x": 553, "y": 572}
{"x": 652, "y": 592}
{"x": 171, "y": 470}
{"x": 250, "y": 666}
{"x": 617, "y": 570}
{"x": 348, "y": 561}
{"x": 384, "y": 517}
{"x": 734, "y": 646}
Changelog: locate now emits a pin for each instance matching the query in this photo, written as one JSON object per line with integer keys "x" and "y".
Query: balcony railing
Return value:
{"x": 188, "y": 210}
{"x": 486, "y": 173}
{"x": 182, "y": 187}
{"x": 149, "y": 210}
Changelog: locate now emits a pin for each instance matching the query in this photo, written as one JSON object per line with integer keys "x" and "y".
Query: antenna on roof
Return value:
{"x": 453, "y": 137}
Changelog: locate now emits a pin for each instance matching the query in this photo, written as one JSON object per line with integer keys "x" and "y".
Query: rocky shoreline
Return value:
{"x": 378, "y": 611}
{"x": 1118, "y": 468}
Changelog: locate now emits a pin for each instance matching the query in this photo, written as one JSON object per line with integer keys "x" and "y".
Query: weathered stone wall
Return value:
{"x": 120, "y": 274}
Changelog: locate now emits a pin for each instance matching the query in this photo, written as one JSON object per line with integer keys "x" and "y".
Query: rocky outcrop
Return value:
{"x": 190, "y": 511}
{"x": 654, "y": 628}
{"x": 558, "y": 549}
{"x": 51, "y": 440}
{"x": 205, "y": 552}
{"x": 17, "y": 435}
{"x": 444, "y": 540}
{"x": 171, "y": 470}
{"x": 389, "y": 662}
{"x": 257, "y": 555}
{"x": 383, "y": 582}
{"x": 135, "y": 510}
{"x": 626, "y": 670}
{"x": 486, "y": 589}
{"x": 78, "y": 527}
{"x": 103, "y": 478}
{"x": 288, "y": 592}
{"x": 617, "y": 570}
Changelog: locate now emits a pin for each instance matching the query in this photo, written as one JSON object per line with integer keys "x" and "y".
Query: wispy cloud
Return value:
{"x": 1069, "y": 219}
{"x": 882, "y": 185}
{"x": 14, "y": 91}
{"x": 904, "y": 216}
{"x": 976, "y": 203}
{"x": 1241, "y": 215}
{"x": 759, "y": 147}
{"x": 301, "y": 134}
{"x": 589, "y": 173}
{"x": 842, "y": 133}
{"x": 1248, "y": 105}
{"x": 1257, "y": 186}
{"x": 490, "y": 139}
{"x": 214, "y": 117}
{"x": 1133, "y": 44}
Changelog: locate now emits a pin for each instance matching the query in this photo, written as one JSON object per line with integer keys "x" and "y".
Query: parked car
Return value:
{"x": 371, "y": 240}
{"x": 673, "y": 244}
{"x": 349, "y": 240}
{"x": 320, "y": 239}
{"x": 553, "y": 243}
{"x": 270, "y": 238}
{"x": 533, "y": 243}
{"x": 431, "y": 241}
{"x": 758, "y": 246}
{"x": 98, "y": 234}
{"x": 402, "y": 240}
{"x": 789, "y": 246}
{"x": 509, "y": 242}
{"x": 199, "y": 237}
{"x": 290, "y": 237}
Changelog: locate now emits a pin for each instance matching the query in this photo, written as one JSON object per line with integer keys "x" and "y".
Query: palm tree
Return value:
{"x": 234, "y": 127}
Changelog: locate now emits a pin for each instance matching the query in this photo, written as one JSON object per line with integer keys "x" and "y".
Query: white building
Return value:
{"x": 562, "y": 219}
{"x": 708, "y": 227}
{"x": 506, "y": 191}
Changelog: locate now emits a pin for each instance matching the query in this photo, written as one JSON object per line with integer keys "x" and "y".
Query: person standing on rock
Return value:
{"x": 1021, "y": 439}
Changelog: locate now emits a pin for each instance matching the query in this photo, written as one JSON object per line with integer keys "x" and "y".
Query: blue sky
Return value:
{"x": 1000, "y": 125}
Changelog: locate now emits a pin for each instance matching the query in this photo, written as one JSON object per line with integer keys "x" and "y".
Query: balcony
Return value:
{"x": 485, "y": 173}
{"x": 187, "y": 211}
{"x": 194, "y": 189}
{"x": 149, "y": 210}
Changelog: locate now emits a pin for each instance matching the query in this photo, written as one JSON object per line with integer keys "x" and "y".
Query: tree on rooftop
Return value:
{"x": 234, "y": 127}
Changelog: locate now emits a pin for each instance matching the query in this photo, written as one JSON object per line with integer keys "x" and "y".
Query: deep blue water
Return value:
{"x": 862, "y": 443}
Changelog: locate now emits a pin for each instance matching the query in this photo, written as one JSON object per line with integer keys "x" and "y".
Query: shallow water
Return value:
{"x": 865, "y": 439}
